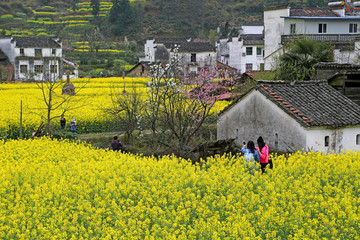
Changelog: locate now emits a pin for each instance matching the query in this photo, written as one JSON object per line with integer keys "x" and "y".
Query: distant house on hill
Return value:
{"x": 37, "y": 58}
{"x": 344, "y": 77}
{"x": 192, "y": 54}
{"x": 338, "y": 24}
{"x": 293, "y": 116}
{"x": 142, "y": 69}
{"x": 244, "y": 52}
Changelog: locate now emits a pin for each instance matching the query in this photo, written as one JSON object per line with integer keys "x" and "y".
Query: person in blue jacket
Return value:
{"x": 73, "y": 126}
{"x": 251, "y": 156}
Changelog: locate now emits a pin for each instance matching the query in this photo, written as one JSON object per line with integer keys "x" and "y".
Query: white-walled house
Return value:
{"x": 244, "y": 52}
{"x": 293, "y": 116}
{"x": 337, "y": 24}
{"x": 34, "y": 58}
{"x": 191, "y": 54}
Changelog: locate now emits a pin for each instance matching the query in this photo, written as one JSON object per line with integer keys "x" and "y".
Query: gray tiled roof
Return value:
{"x": 312, "y": 103}
{"x": 23, "y": 42}
{"x": 312, "y": 12}
{"x": 253, "y": 39}
{"x": 186, "y": 45}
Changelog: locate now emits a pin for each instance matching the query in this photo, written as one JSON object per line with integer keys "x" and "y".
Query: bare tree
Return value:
{"x": 127, "y": 107}
{"x": 52, "y": 98}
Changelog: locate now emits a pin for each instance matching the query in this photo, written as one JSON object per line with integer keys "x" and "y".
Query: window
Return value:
{"x": 38, "y": 52}
{"x": 39, "y": 68}
{"x": 53, "y": 68}
{"x": 249, "y": 50}
{"x": 292, "y": 28}
{"x": 193, "y": 57}
{"x": 23, "y": 68}
{"x": 53, "y": 51}
{"x": 249, "y": 67}
{"x": 327, "y": 141}
{"x": 358, "y": 139}
{"x": 276, "y": 141}
{"x": 22, "y": 51}
{"x": 258, "y": 51}
{"x": 353, "y": 28}
{"x": 322, "y": 27}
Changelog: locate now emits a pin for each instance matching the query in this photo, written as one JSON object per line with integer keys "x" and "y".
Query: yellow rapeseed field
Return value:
{"x": 92, "y": 100}
{"x": 52, "y": 189}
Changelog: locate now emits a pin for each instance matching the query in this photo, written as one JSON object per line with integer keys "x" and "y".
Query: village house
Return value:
{"x": 336, "y": 24}
{"x": 244, "y": 52}
{"x": 34, "y": 58}
{"x": 309, "y": 116}
{"x": 344, "y": 77}
{"x": 142, "y": 69}
{"x": 191, "y": 54}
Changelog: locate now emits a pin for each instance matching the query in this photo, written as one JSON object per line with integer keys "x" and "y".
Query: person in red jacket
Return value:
{"x": 263, "y": 152}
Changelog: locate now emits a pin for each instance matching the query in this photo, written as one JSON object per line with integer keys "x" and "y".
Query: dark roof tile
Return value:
{"x": 312, "y": 12}
{"x": 316, "y": 103}
{"x": 185, "y": 45}
{"x": 35, "y": 42}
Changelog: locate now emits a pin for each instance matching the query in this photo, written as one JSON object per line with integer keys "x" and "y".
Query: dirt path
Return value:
{"x": 106, "y": 134}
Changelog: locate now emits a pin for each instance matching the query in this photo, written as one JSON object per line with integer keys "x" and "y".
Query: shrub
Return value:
{"x": 20, "y": 14}
{"x": 7, "y": 17}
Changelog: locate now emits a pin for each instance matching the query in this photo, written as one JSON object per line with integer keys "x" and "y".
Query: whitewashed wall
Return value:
{"x": 311, "y": 26}
{"x": 339, "y": 139}
{"x": 235, "y": 53}
{"x": 254, "y": 59}
{"x": 273, "y": 29}
{"x": 149, "y": 49}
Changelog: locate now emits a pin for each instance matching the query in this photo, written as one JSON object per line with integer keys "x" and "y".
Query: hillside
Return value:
{"x": 72, "y": 18}
{"x": 106, "y": 36}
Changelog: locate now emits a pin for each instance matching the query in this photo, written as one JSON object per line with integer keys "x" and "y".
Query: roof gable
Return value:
{"x": 312, "y": 104}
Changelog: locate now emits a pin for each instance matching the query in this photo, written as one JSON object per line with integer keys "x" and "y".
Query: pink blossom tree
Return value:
{"x": 183, "y": 102}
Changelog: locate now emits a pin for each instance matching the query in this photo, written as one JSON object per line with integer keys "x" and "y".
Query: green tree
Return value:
{"x": 95, "y": 7}
{"x": 122, "y": 17}
{"x": 301, "y": 56}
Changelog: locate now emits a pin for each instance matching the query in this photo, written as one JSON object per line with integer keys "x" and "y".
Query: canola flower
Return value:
{"x": 93, "y": 99}
{"x": 66, "y": 190}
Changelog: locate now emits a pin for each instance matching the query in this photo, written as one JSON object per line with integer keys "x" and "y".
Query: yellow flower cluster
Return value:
{"x": 62, "y": 190}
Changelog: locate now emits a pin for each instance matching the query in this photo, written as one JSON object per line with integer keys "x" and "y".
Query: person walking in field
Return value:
{"x": 62, "y": 122}
{"x": 263, "y": 153}
{"x": 116, "y": 144}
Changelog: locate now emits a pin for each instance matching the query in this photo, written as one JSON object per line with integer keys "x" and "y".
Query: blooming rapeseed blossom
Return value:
{"x": 64, "y": 190}
{"x": 93, "y": 98}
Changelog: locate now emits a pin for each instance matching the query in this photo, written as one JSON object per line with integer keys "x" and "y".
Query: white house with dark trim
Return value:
{"x": 192, "y": 54}
{"x": 244, "y": 52}
{"x": 337, "y": 24}
{"x": 34, "y": 58}
{"x": 310, "y": 116}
